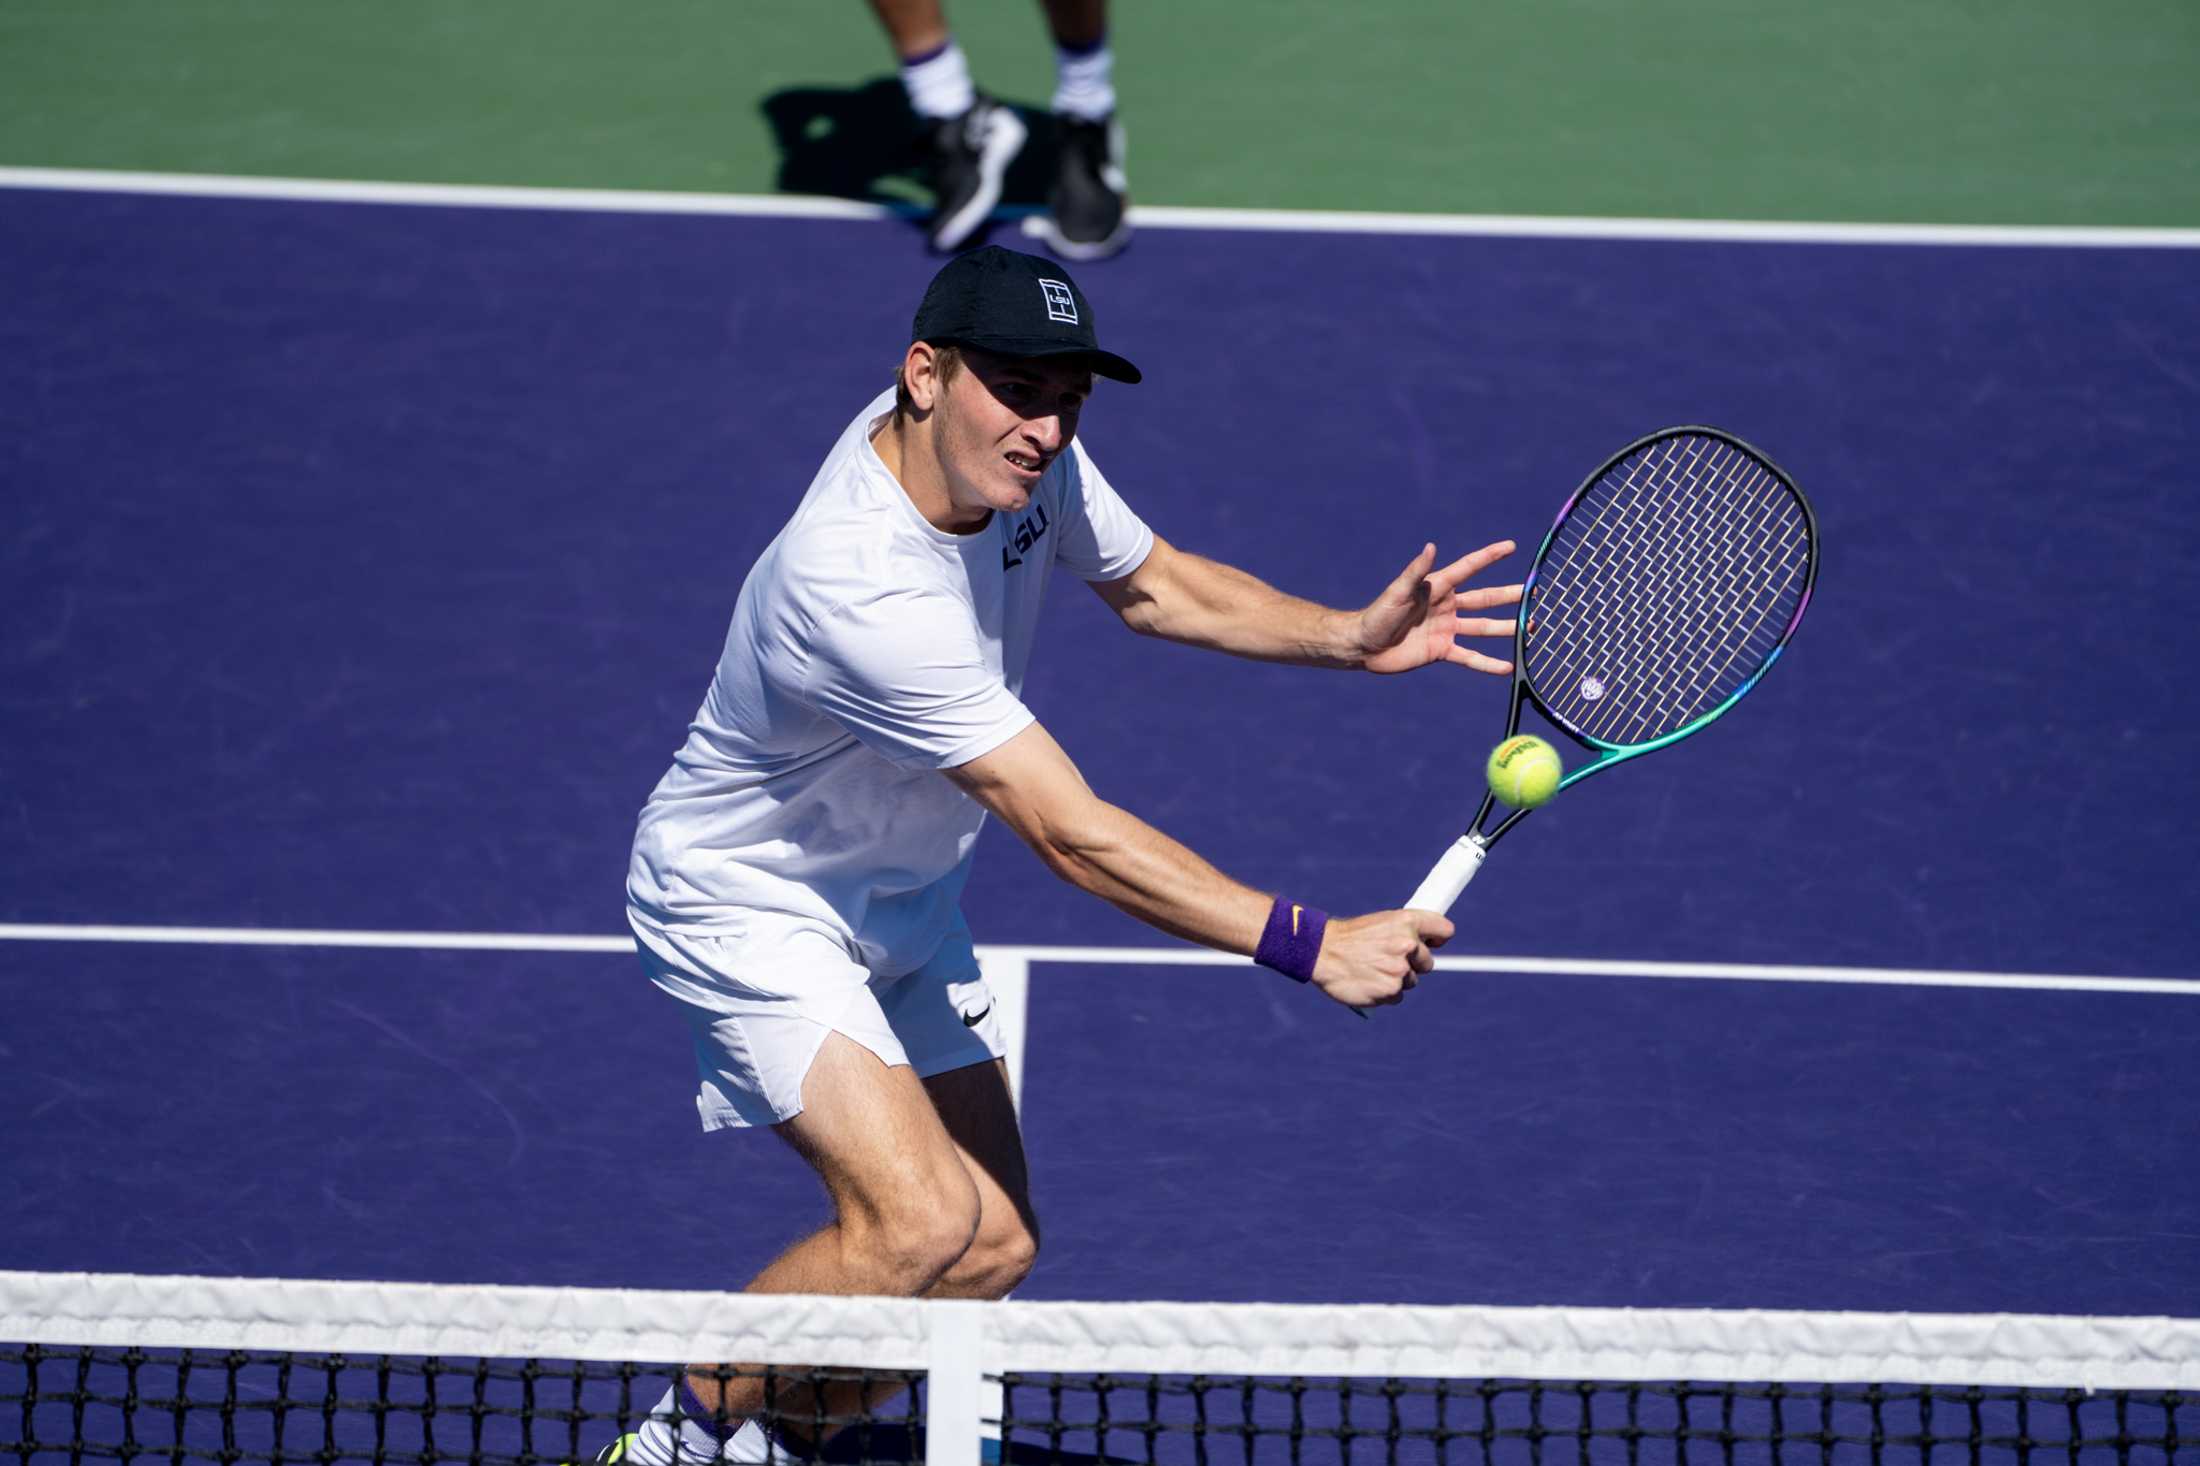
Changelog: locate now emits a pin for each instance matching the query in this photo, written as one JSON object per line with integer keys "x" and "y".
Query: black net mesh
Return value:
{"x": 1200, "y": 1418}
{"x": 249, "y": 1406}
{"x": 72, "y": 1404}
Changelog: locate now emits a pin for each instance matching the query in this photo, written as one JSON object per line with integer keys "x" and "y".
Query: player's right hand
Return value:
{"x": 1367, "y": 961}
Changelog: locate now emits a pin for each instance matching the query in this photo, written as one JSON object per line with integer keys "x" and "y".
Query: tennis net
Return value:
{"x": 128, "y": 1368}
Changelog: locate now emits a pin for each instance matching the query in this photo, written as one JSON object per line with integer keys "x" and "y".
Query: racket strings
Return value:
{"x": 1666, "y": 586}
{"x": 1669, "y": 592}
{"x": 1651, "y": 592}
{"x": 1737, "y": 537}
{"x": 1621, "y": 638}
{"x": 1660, "y": 607}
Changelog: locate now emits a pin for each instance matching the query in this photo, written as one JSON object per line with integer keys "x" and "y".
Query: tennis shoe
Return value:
{"x": 970, "y": 157}
{"x": 1088, "y": 212}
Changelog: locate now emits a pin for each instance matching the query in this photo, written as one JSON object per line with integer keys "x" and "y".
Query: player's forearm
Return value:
{"x": 1126, "y": 862}
{"x": 1030, "y": 785}
{"x": 1206, "y": 603}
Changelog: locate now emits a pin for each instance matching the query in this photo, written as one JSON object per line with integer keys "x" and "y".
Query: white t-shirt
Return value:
{"x": 868, "y": 651}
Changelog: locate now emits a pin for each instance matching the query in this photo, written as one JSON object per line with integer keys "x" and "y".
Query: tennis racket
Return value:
{"x": 1669, "y": 584}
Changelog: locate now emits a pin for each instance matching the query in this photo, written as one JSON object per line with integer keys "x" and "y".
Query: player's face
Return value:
{"x": 1001, "y": 422}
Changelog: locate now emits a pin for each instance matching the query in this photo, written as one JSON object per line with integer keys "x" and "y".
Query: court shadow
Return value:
{"x": 864, "y": 143}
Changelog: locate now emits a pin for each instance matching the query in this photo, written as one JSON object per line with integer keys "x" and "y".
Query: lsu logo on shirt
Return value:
{"x": 1029, "y": 532}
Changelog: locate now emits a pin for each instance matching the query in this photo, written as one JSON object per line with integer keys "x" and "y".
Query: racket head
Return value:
{"x": 1668, "y": 585}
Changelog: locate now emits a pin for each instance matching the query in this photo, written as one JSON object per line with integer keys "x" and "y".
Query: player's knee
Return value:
{"x": 935, "y": 1246}
{"x": 1023, "y": 1254}
{"x": 917, "y": 1244}
{"x": 1012, "y": 1255}
{"x": 1000, "y": 1258}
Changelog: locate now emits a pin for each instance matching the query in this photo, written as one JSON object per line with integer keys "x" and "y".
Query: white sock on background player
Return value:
{"x": 938, "y": 82}
{"x": 1084, "y": 81}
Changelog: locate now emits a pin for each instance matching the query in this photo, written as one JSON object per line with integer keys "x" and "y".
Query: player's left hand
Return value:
{"x": 1416, "y": 620}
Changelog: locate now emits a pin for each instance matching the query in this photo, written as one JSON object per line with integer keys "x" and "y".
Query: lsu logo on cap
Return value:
{"x": 1061, "y": 305}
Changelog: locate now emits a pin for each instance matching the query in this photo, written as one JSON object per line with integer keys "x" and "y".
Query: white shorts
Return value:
{"x": 760, "y": 998}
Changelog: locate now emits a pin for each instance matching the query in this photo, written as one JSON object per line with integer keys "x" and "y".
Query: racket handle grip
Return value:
{"x": 1449, "y": 877}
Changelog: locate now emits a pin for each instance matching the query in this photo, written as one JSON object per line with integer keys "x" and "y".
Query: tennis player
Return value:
{"x": 796, "y": 875}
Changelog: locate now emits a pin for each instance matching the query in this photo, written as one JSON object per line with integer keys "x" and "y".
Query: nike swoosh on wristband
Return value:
{"x": 972, "y": 1020}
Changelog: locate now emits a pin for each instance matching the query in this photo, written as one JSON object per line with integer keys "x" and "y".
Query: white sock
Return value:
{"x": 658, "y": 1443}
{"x": 938, "y": 83}
{"x": 751, "y": 1445}
{"x": 1084, "y": 82}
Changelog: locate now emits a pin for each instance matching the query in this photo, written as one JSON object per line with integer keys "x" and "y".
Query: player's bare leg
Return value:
{"x": 980, "y": 1117}
{"x": 930, "y": 1199}
{"x": 974, "y": 1105}
{"x": 904, "y": 1207}
{"x": 914, "y": 26}
{"x": 1077, "y": 22}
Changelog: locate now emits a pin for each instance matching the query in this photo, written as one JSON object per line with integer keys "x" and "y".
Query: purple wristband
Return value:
{"x": 1292, "y": 939}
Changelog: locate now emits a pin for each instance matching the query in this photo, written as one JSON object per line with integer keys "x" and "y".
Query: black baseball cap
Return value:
{"x": 1016, "y": 304}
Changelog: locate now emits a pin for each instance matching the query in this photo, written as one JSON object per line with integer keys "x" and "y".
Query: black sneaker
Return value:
{"x": 970, "y": 155}
{"x": 1087, "y": 215}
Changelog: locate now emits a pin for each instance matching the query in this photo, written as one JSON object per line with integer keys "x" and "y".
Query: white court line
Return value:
{"x": 443, "y": 195}
{"x": 1015, "y": 961}
{"x": 256, "y": 936}
{"x": 1716, "y": 971}
{"x": 1306, "y": 221}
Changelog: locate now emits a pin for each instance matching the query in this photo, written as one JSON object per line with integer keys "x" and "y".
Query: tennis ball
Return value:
{"x": 1524, "y": 772}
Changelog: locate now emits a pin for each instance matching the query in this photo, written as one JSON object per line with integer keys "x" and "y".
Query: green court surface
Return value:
{"x": 2029, "y": 112}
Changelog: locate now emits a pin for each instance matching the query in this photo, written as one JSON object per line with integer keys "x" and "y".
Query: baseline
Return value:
{"x": 1145, "y": 216}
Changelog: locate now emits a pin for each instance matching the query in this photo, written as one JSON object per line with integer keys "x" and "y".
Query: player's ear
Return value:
{"x": 920, "y": 376}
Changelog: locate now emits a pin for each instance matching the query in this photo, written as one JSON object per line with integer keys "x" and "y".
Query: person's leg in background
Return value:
{"x": 1087, "y": 212}
{"x": 971, "y": 138}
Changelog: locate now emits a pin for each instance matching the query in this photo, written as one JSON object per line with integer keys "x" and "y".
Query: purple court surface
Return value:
{"x": 362, "y": 564}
